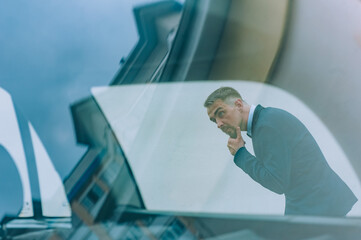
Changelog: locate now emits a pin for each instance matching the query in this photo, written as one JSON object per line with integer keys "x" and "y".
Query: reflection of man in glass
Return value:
{"x": 287, "y": 158}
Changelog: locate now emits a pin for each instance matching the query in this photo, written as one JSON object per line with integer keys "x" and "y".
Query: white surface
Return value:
{"x": 180, "y": 159}
{"x": 53, "y": 198}
{"x": 10, "y": 138}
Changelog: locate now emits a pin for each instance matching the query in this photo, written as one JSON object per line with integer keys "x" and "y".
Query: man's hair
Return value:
{"x": 223, "y": 93}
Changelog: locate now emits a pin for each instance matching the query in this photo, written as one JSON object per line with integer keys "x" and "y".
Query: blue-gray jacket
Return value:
{"x": 288, "y": 161}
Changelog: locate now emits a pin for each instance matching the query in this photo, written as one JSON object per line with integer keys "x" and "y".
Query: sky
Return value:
{"x": 52, "y": 53}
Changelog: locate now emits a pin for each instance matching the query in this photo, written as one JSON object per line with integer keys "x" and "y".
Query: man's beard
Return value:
{"x": 230, "y": 131}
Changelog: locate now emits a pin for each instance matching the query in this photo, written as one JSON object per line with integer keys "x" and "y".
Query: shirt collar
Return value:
{"x": 250, "y": 119}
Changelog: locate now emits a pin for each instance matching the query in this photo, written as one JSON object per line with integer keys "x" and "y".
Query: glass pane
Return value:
{"x": 105, "y": 133}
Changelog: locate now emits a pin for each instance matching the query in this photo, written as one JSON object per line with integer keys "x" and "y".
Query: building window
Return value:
{"x": 110, "y": 173}
{"x": 92, "y": 197}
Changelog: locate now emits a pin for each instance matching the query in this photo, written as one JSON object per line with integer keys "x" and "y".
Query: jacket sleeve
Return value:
{"x": 272, "y": 166}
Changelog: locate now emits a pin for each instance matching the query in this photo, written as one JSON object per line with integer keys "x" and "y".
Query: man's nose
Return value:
{"x": 219, "y": 123}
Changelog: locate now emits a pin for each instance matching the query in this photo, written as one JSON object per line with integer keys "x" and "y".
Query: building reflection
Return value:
{"x": 174, "y": 46}
{"x": 102, "y": 184}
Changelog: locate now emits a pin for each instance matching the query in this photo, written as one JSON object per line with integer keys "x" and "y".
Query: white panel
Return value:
{"x": 10, "y": 138}
{"x": 180, "y": 159}
{"x": 53, "y": 198}
{"x": 130, "y": 116}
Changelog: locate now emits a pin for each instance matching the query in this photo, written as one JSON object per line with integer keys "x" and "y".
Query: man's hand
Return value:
{"x": 234, "y": 144}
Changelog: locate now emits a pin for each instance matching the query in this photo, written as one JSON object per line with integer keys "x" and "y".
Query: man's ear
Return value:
{"x": 238, "y": 103}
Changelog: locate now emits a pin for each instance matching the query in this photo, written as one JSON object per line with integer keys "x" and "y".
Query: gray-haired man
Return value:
{"x": 287, "y": 158}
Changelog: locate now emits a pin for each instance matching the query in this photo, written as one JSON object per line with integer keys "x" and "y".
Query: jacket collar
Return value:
{"x": 257, "y": 111}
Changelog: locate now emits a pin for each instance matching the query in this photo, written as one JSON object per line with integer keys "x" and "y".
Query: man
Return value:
{"x": 287, "y": 158}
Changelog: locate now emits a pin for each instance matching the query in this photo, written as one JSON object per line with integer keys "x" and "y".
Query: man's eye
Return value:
{"x": 220, "y": 114}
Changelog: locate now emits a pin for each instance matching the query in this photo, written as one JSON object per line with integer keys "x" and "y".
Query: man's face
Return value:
{"x": 227, "y": 117}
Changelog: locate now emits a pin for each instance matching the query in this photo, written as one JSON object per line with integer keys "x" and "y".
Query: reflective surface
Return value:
{"x": 103, "y": 130}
